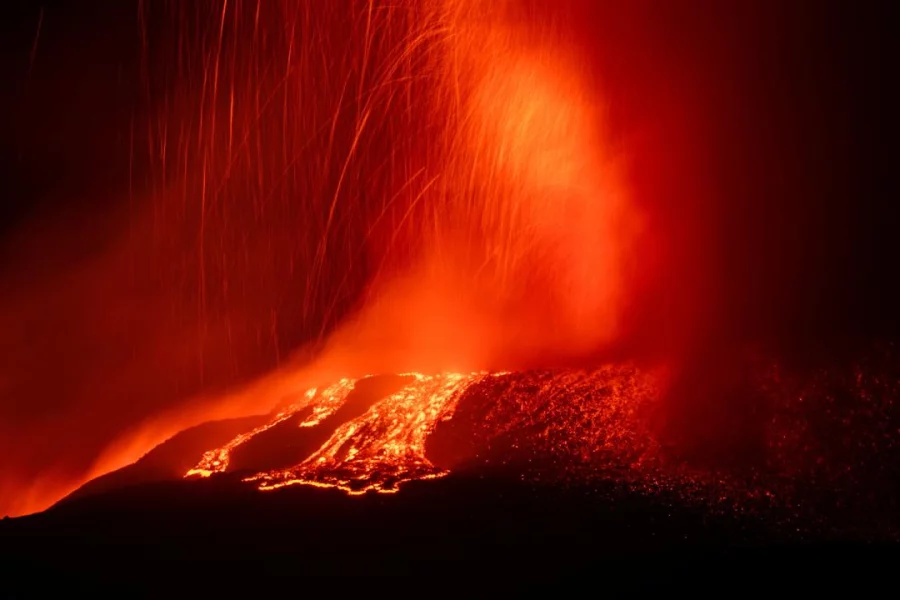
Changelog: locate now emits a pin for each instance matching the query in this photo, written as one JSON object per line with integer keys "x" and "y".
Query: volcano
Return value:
{"x": 793, "y": 435}
{"x": 561, "y": 471}
{"x": 452, "y": 290}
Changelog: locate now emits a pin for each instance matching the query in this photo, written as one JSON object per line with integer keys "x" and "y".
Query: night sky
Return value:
{"x": 778, "y": 193}
{"x": 800, "y": 157}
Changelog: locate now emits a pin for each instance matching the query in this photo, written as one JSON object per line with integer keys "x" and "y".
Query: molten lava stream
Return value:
{"x": 329, "y": 400}
{"x": 374, "y": 452}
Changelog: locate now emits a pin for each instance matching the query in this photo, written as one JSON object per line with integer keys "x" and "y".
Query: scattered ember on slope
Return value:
{"x": 829, "y": 439}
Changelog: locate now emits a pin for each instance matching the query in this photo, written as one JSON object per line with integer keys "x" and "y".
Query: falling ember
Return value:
{"x": 374, "y": 452}
{"x": 505, "y": 232}
{"x": 408, "y": 186}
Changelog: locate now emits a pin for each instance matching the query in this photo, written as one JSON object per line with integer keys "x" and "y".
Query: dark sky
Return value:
{"x": 773, "y": 172}
{"x": 69, "y": 72}
{"x": 802, "y": 158}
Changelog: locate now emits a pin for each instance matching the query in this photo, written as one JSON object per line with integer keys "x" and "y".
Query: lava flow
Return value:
{"x": 407, "y": 427}
{"x": 376, "y": 451}
{"x": 415, "y": 426}
{"x": 216, "y": 461}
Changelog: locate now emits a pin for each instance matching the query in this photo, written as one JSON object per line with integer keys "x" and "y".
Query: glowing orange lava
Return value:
{"x": 329, "y": 400}
{"x": 374, "y": 452}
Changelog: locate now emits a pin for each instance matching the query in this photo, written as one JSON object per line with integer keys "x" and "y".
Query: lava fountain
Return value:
{"x": 511, "y": 251}
{"x": 416, "y": 186}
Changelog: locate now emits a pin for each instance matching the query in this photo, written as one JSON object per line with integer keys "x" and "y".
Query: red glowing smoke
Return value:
{"x": 437, "y": 184}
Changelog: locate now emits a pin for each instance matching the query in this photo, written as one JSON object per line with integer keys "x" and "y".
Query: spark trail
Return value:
{"x": 412, "y": 185}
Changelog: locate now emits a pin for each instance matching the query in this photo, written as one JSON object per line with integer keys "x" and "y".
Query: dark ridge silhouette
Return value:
{"x": 171, "y": 459}
{"x": 215, "y": 534}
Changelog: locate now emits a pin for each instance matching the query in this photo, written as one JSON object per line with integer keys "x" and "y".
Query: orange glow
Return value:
{"x": 384, "y": 447}
{"x": 433, "y": 181}
{"x": 329, "y": 400}
{"x": 596, "y": 415}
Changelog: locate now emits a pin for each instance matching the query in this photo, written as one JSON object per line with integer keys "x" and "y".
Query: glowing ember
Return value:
{"x": 376, "y": 451}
